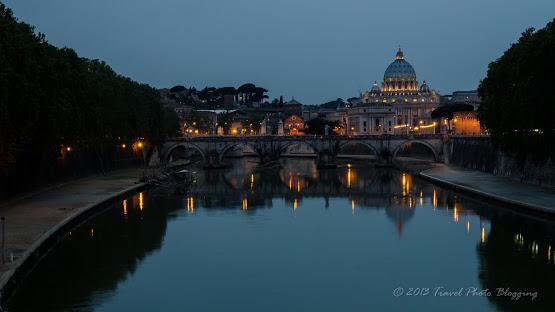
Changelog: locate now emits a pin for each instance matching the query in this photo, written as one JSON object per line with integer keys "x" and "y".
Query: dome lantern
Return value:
{"x": 399, "y": 55}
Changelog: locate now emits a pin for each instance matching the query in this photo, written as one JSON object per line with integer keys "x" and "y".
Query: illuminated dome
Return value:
{"x": 399, "y": 76}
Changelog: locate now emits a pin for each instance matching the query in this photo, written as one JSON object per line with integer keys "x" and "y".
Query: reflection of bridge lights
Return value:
{"x": 92, "y": 232}
{"x": 519, "y": 240}
{"x": 124, "y": 203}
{"x": 349, "y": 177}
{"x": 353, "y": 206}
{"x": 534, "y": 248}
{"x": 455, "y": 214}
{"x": 434, "y": 199}
{"x": 405, "y": 183}
{"x": 483, "y": 236}
{"x": 141, "y": 203}
{"x": 252, "y": 181}
{"x": 190, "y": 204}
{"x": 245, "y": 204}
{"x": 468, "y": 226}
{"x": 290, "y": 182}
{"x": 295, "y": 204}
{"x": 549, "y": 253}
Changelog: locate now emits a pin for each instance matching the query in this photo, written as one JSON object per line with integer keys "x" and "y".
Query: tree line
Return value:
{"x": 54, "y": 103}
{"x": 518, "y": 102}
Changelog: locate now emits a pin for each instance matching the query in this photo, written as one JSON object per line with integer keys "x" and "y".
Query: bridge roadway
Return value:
{"x": 326, "y": 148}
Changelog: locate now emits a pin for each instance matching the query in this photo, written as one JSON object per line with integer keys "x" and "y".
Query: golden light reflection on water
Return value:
{"x": 295, "y": 204}
{"x": 190, "y": 204}
{"x": 141, "y": 203}
{"x": 349, "y": 175}
{"x": 468, "y": 226}
{"x": 124, "y": 204}
{"x": 483, "y": 236}
{"x": 252, "y": 181}
{"x": 406, "y": 181}
{"x": 353, "y": 206}
{"x": 434, "y": 200}
{"x": 245, "y": 203}
{"x": 455, "y": 214}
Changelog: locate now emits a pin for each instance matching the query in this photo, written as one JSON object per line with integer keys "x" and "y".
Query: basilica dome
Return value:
{"x": 399, "y": 68}
{"x": 399, "y": 75}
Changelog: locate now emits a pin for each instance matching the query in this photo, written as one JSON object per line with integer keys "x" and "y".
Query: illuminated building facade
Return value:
{"x": 400, "y": 101}
{"x": 293, "y": 125}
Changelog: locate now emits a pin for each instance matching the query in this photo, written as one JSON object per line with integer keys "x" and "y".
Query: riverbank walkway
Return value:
{"x": 33, "y": 218}
{"x": 494, "y": 187}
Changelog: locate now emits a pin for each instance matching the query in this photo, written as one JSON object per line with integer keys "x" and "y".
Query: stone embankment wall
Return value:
{"x": 478, "y": 153}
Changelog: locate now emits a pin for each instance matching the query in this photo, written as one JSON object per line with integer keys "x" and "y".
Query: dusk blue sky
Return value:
{"x": 315, "y": 50}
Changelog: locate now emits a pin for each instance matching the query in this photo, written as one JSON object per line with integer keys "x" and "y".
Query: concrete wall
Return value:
{"x": 478, "y": 153}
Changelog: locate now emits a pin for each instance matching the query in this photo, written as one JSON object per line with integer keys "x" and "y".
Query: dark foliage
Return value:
{"x": 447, "y": 111}
{"x": 333, "y": 104}
{"x": 318, "y": 126}
{"x": 178, "y": 88}
{"x": 518, "y": 102}
{"x": 51, "y": 98}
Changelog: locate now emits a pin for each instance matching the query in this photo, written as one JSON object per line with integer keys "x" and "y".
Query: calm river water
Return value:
{"x": 297, "y": 238}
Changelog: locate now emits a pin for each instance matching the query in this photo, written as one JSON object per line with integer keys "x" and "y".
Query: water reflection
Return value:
{"x": 95, "y": 264}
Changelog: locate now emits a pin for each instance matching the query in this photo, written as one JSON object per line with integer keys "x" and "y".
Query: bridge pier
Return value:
{"x": 212, "y": 161}
{"x": 326, "y": 159}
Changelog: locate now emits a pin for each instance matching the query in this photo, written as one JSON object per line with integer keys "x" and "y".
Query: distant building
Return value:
{"x": 370, "y": 119}
{"x": 310, "y": 112}
{"x": 272, "y": 124}
{"x": 464, "y": 123}
{"x": 293, "y": 125}
{"x": 401, "y": 94}
{"x": 463, "y": 97}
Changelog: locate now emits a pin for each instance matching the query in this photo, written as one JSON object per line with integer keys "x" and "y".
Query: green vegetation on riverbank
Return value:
{"x": 518, "y": 102}
{"x": 53, "y": 102}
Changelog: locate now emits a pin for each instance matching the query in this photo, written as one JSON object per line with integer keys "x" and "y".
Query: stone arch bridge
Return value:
{"x": 326, "y": 148}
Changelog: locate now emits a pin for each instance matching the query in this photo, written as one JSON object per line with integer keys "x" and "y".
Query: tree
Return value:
{"x": 318, "y": 126}
{"x": 52, "y": 98}
{"x": 333, "y": 104}
{"x": 178, "y": 88}
{"x": 518, "y": 106}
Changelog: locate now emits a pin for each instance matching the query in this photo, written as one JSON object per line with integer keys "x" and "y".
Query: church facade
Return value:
{"x": 400, "y": 105}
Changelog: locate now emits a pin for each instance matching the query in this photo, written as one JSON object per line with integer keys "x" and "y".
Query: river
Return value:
{"x": 296, "y": 238}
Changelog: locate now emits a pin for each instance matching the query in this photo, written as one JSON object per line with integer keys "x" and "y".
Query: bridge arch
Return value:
{"x": 231, "y": 146}
{"x": 345, "y": 144}
{"x": 186, "y": 146}
{"x": 285, "y": 147}
{"x": 426, "y": 144}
